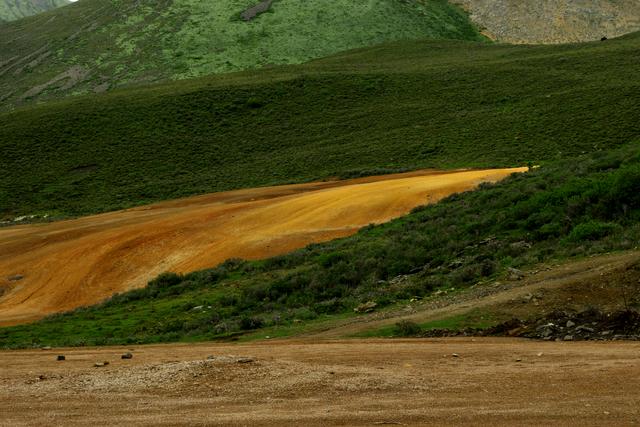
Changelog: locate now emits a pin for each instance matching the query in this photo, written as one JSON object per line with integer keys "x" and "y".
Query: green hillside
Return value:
{"x": 589, "y": 204}
{"x": 96, "y": 45}
{"x": 398, "y": 106}
{"x": 10, "y": 10}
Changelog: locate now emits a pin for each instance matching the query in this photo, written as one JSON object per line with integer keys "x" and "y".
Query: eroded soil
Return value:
{"x": 67, "y": 264}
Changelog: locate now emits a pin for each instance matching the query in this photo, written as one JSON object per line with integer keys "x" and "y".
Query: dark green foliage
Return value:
{"x": 407, "y": 328}
{"x": 566, "y": 208}
{"x": 592, "y": 230}
{"x": 390, "y": 108}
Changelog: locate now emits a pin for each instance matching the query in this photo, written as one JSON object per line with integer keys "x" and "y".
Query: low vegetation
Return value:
{"x": 97, "y": 45}
{"x": 586, "y": 205}
{"x": 408, "y": 105}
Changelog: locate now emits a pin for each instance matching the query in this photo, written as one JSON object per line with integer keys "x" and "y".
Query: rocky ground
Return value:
{"x": 553, "y": 21}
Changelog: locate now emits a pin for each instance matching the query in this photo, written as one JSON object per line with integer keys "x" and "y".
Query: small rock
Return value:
{"x": 568, "y": 338}
{"x": 127, "y": 356}
{"x": 198, "y": 308}
{"x": 46, "y": 347}
{"x": 244, "y": 360}
{"x": 367, "y": 307}
{"x": 455, "y": 355}
{"x": 522, "y": 245}
{"x": 570, "y": 324}
{"x": 515, "y": 274}
{"x": 585, "y": 329}
{"x": 61, "y": 357}
{"x": 15, "y": 277}
{"x": 211, "y": 357}
{"x": 518, "y": 360}
{"x": 540, "y": 354}
{"x": 100, "y": 364}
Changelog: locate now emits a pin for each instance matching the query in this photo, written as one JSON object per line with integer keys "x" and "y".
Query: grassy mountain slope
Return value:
{"x": 10, "y": 10}
{"x": 396, "y": 106}
{"x": 95, "y": 45}
{"x": 586, "y": 205}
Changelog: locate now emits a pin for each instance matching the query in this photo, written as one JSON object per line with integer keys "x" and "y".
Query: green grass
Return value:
{"x": 407, "y": 105}
{"x": 126, "y": 42}
{"x": 466, "y": 239}
{"x": 476, "y": 319}
{"x": 11, "y": 10}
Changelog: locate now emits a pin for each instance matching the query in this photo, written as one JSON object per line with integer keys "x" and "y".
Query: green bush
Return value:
{"x": 592, "y": 230}
{"x": 407, "y": 328}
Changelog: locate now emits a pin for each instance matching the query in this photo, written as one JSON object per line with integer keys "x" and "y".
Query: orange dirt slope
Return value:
{"x": 79, "y": 262}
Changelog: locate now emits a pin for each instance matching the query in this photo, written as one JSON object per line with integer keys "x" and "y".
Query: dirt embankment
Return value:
{"x": 48, "y": 268}
{"x": 554, "y": 21}
{"x": 358, "y": 383}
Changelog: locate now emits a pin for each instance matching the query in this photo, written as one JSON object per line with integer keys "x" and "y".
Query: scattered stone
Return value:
{"x": 15, "y": 277}
{"x": 198, "y": 308}
{"x": 540, "y": 354}
{"x": 515, "y": 274}
{"x": 245, "y": 360}
{"x": 367, "y": 307}
{"x": 211, "y": 357}
{"x": 256, "y": 10}
{"x": 46, "y": 347}
{"x": 570, "y": 324}
{"x": 518, "y": 360}
{"x": 568, "y": 338}
{"x": 127, "y": 356}
{"x": 455, "y": 355}
{"x": 522, "y": 245}
{"x": 100, "y": 364}
{"x": 61, "y": 357}
{"x": 583, "y": 328}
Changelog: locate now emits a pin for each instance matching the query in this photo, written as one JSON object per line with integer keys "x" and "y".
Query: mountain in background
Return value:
{"x": 10, "y": 10}
{"x": 553, "y": 21}
{"x": 96, "y": 45}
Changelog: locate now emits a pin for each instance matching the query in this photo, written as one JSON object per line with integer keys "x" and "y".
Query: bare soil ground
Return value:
{"x": 360, "y": 382}
{"x": 48, "y": 268}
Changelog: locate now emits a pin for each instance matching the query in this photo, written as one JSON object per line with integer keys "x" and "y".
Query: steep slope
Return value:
{"x": 10, "y": 10}
{"x": 581, "y": 206}
{"x": 124, "y": 250}
{"x": 554, "y": 21}
{"x": 95, "y": 45}
{"x": 407, "y": 105}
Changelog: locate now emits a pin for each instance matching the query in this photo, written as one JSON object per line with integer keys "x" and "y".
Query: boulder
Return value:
{"x": 367, "y": 307}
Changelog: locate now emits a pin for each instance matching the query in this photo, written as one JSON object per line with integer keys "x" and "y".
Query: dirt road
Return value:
{"x": 67, "y": 264}
{"x": 375, "y": 382}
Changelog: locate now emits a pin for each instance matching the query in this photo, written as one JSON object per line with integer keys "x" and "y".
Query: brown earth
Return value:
{"x": 553, "y": 21}
{"x": 67, "y": 264}
{"x": 361, "y": 382}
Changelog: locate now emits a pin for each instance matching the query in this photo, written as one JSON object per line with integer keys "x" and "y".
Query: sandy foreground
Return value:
{"x": 48, "y": 268}
{"x": 355, "y": 382}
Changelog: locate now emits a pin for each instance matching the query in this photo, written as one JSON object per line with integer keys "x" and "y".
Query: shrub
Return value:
{"x": 407, "y": 328}
{"x": 166, "y": 280}
{"x": 592, "y": 230}
{"x": 249, "y": 323}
